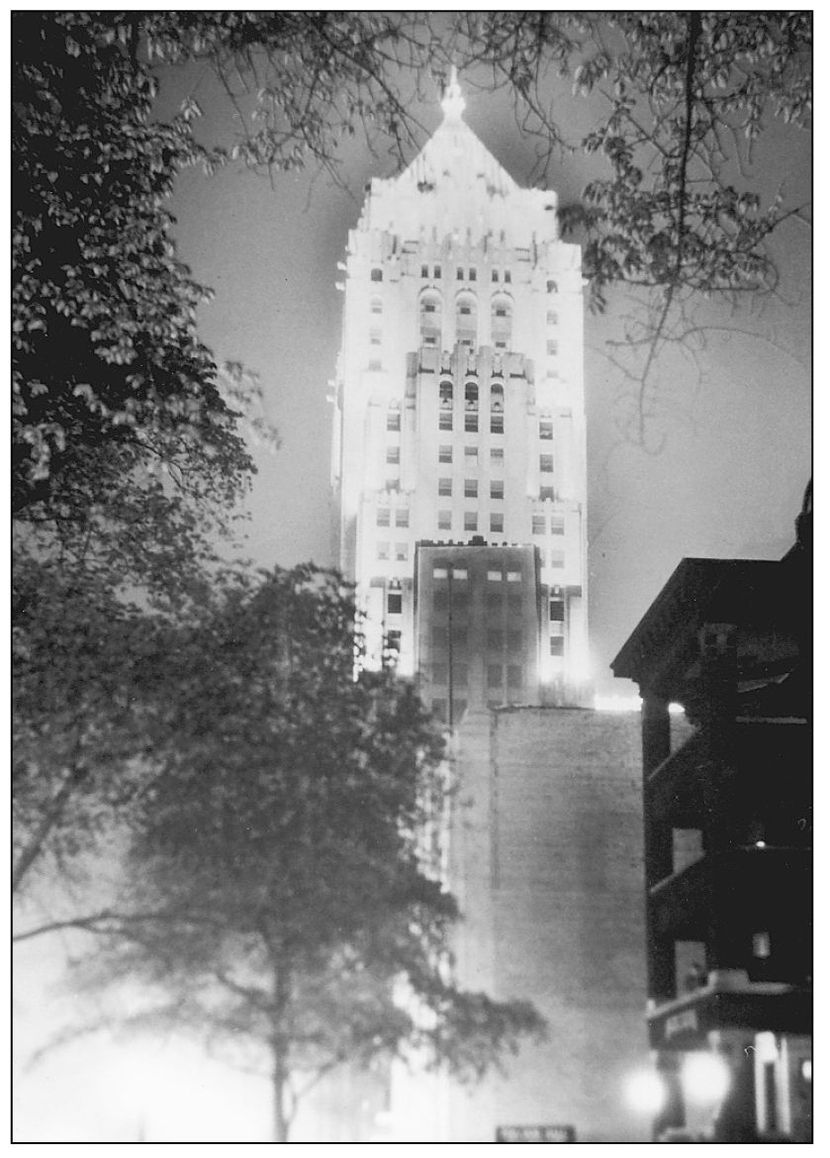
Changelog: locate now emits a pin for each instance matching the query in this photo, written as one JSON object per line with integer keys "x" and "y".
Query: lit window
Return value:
{"x": 495, "y": 576}
{"x": 546, "y": 429}
{"x": 471, "y": 423}
{"x": 557, "y": 524}
{"x": 401, "y": 518}
{"x": 383, "y": 550}
{"x": 546, "y": 462}
{"x": 557, "y": 645}
{"x": 538, "y": 524}
{"x": 557, "y": 558}
{"x": 445, "y": 520}
{"x": 394, "y": 602}
{"x": 470, "y": 488}
{"x": 470, "y": 521}
{"x": 557, "y": 627}
{"x": 761, "y": 945}
{"x": 445, "y": 453}
{"x": 497, "y": 424}
{"x": 514, "y": 675}
{"x": 514, "y": 576}
{"x": 546, "y": 494}
{"x": 445, "y": 420}
{"x": 401, "y": 550}
{"x": 494, "y": 675}
{"x": 383, "y": 517}
{"x": 497, "y": 523}
{"x": 377, "y": 275}
{"x": 459, "y": 573}
{"x": 439, "y": 572}
{"x": 552, "y": 346}
{"x": 497, "y": 457}
{"x": 393, "y": 454}
{"x": 497, "y": 489}
{"x": 393, "y": 420}
{"x": 445, "y": 486}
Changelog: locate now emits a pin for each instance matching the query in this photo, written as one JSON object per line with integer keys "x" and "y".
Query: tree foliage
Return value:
{"x": 281, "y": 899}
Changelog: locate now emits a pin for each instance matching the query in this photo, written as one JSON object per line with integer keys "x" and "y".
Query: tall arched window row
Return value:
{"x": 471, "y": 396}
{"x": 445, "y": 395}
{"x": 430, "y": 319}
{"x": 501, "y": 323}
{"x": 466, "y": 321}
{"x": 497, "y": 398}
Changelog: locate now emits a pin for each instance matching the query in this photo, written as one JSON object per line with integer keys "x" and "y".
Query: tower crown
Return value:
{"x": 453, "y": 102}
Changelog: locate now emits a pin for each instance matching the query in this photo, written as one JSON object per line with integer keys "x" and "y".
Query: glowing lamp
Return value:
{"x": 705, "y": 1078}
{"x": 645, "y": 1092}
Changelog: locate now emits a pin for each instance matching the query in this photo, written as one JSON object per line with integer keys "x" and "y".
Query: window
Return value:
{"x": 383, "y": 517}
{"x": 473, "y": 274}
{"x": 507, "y": 277}
{"x": 501, "y": 322}
{"x": 497, "y": 523}
{"x": 436, "y": 271}
{"x": 401, "y": 551}
{"x": 383, "y": 550}
{"x": 557, "y": 645}
{"x": 551, "y": 287}
{"x": 546, "y": 494}
{"x": 393, "y": 420}
{"x": 401, "y": 518}
{"x": 465, "y": 310}
{"x": 494, "y": 576}
{"x": 557, "y": 610}
{"x": 376, "y": 275}
{"x": 497, "y": 488}
{"x": 429, "y": 307}
{"x": 445, "y": 486}
{"x": 470, "y": 521}
{"x": 460, "y": 573}
{"x": 497, "y": 424}
{"x": 514, "y": 576}
{"x": 494, "y": 276}
{"x": 538, "y": 525}
{"x": 546, "y": 462}
{"x": 424, "y": 271}
{"x": 445, "y": 520}
{"x": 459, "y": 274}
{"x": 466, "y": 324}
{"x": 515, "y": 676}
{"x": 445, "y": 420}
{"x": 496, "y": 457}
{"x": 495, "y": 640}
{"x": 552, "y": 346}
{"x": 393, "y": 484}
{"x": 514, "y": 641}
{"x": 393, "y": 640}
{"x": 557, "y": 627}
{"x": 552, "y": 318}
{"x": 375, "y": 364}
{"x": 376, "y": 306}
{"x": 500, "y": 344}
{"x": 557, "y": 524}
{"x": 494, "y": 604}
{"x": 439, "y": 599}
{"x": 429, "y": 340}
{"x": 445, "y": 395}
{"x": 471, "y": 456}
{"x": 471, "y": 396}
{"x": 394, "y": 602}
{"x": 470, "y": 488}
{"x": 439, "y": 572}
{"x": 471, "y": 423}
{"x": 393, "y": 454}
{"x": 496, "y": 397}
{"x": 494, "y": 675}
{"x": 375, "y": 338}
{"x": 546, "y": 429}
{"x": 445, "y": 452}
{"x": 557, "y": 558}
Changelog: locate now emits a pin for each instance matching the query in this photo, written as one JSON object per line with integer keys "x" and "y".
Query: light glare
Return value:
{"x": 645, "y": 1092}
{"x": 705, "y": 1078}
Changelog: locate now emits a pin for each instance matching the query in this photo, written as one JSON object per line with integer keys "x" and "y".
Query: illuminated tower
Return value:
{"x": 460, "y": 421}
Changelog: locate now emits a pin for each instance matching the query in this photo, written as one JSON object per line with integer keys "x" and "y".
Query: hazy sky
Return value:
{"x": 728, "y": 482}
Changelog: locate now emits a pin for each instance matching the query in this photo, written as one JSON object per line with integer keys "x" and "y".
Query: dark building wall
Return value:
{"x": 547, "y": 861}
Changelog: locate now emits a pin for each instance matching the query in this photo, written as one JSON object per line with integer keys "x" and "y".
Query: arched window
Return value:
{"x": 466, "y": 321}
{"x": 497, "y": 398}
{"x": 501, "y": 322}
{"x": 445, "y": 395}
{"x": 471, "y": 396}
{"x": 430, "y": 315}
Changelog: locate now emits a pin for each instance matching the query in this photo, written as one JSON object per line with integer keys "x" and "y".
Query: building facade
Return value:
{"x": 728, "y": 844}
{"x": 459, "y": 394}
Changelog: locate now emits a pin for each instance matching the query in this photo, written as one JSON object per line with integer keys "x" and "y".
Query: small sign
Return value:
{"x": 535, "y": 1134}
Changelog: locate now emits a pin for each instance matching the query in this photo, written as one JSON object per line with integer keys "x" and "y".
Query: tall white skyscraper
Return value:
{"x": 460, "y": 421}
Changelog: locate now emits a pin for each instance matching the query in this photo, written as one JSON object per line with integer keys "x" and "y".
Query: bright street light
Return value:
{"x": 705, "y": 1078}
{"x": 645, "y": 1092}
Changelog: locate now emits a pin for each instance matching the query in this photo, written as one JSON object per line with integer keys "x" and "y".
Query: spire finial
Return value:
{"x": 453, "y": 103}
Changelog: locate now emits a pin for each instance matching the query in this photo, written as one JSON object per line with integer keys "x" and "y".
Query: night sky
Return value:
{"x": 736, "y": 456}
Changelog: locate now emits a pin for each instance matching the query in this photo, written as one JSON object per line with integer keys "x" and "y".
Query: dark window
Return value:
{"x": 507, "y": 276}
{"x": 497, "y": 524}
{"x": 494, "y": 276}
{"x": 445, "y": 395}
{"x": 546, "y": 429}
{"x": 459, "y": 636}
{"x": 376, "y": 306}
{"x": 439, "y": 600}
{"x": 494, "y": 675}
{"x": 552, "y": 318}
{"x": 497, "y": 397}
{"x": 445, "y": 520}
{"x": 439, "y": 635}
{"x": 552, "y": 346}
{"x": 471, "y": 396}
{"x": 394, "y": 604}
{"x": 515, "y": 676}
{"x": 424, "y": 271}
{"x": 473, "y": 275}
{"x": 393, "y": 420}
{"x": 545, "y": 462}
{"x": 470, "y": 488}
{"x": 383, "y": 517}
{"x": 546, "y": 493}
{"x": 514, "y": 641}
{"x": 495, "y": 640}
{"x": 393, "y": 640}
{"x": 557, "y": 610}
{"x": 497, "y": 424}
{"x": 401, "y": 518}
{"x": 377, "y": 275}
{"x": 393, "y": 454}
{"x": 445, "y": 486}
{"x": 497, "y": 489}
{"x": 436, "y": 271}
{"x": 439, "y": 709}
{"x": 514, "y": 604}
{"x": 557, "y": 524}
{"x": 538, "y": 524}
{"x": 557, "y": 645}
{"x": 497, "y": 457}
{"x": 470, "y": 521}
{"x": 439, "y": 673}
{"x": 375, "y": 338}
{"x": 445, "y": 453}
{"x": 445, "y": 420}
{"x": 471, "y": 423}
{"x": 551, "y": 287}
{"x": 459, "y": 675}
{"x": 459, "y": 274}
{"x": 401, "y": 551}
